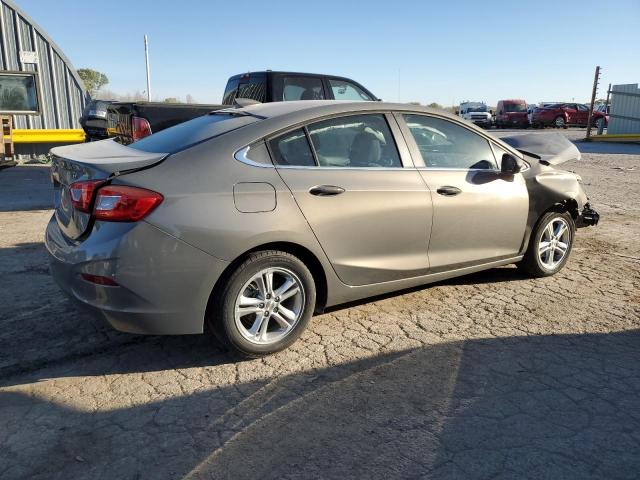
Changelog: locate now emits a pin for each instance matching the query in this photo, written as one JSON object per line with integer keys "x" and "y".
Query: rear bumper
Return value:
{"x": 587, "y": 217}
{"x": 163, "y": 287}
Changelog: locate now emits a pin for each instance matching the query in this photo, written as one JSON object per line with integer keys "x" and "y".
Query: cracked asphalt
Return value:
{"x": 488, "y": 376}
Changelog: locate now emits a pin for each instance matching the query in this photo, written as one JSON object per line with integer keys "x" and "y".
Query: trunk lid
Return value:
{"x": 90, "y": 161}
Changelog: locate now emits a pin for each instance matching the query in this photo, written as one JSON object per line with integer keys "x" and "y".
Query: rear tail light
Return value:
{"x": 82, "y": 194}
{"x": 141, "y": 128}
{"x": 114, "y": 203}
{"x": 120, "y": 203}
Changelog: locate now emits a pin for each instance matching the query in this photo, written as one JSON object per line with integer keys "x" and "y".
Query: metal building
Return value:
{"x": 54, "y": 95}
{"x": 624, "y": 117}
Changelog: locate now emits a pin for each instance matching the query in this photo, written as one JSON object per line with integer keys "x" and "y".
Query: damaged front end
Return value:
{"x": 587, "y": 217}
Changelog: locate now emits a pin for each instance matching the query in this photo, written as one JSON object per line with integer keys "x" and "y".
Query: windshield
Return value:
{"x": 185, "y": 135}
{"x": 515, "y": 107}
{"x": 479, "y": 108}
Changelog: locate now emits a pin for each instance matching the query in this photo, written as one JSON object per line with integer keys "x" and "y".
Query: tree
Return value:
{"x": 171, "y": 100}
{"x": 190, "y": 99}
{"x": 435, "y": 105}
{"x": 92, "y": 79}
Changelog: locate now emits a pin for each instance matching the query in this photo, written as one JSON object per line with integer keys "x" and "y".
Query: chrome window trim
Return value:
{"x": 316, "y": 167}
{"x": 241, "y": 156}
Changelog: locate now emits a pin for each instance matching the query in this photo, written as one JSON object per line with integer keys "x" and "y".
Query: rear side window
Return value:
{"x": 302, "y": 88}
{"x": 187, "y": 134}
{"x": 343, "y": 90}
{"x": 292, "y": 149}
{"x": 357, "y": 141}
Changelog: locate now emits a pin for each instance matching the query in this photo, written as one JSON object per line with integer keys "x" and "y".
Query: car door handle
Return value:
{"x": 449, "y": 191}
{"x": 326, "y": 190}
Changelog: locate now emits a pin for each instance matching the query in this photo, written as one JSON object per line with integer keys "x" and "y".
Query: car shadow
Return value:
{"x": 508, "y": 273}
{"x": 548, "y": 406}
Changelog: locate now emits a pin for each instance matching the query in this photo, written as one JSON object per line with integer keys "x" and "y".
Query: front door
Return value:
{"x": 366, "y": 204}
{"x": 479, "y": 214}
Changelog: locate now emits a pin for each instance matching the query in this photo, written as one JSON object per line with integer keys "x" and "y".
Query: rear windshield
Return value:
{"x": 187, "y": 134}
{"x": 253, "y": 86}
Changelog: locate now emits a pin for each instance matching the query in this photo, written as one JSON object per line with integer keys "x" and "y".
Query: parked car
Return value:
{"x": 563, "y": 115}
{"x": 477, "y": 113}
{"x": 131, "y": 121}
{"x": 512, "y": 113}
{"x": 94, "y": 120}
{"x": 604, "y": 110}
{"x": 251, "y": 219}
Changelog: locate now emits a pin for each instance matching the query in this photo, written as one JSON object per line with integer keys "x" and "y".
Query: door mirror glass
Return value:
{"x": 510, "y": 164}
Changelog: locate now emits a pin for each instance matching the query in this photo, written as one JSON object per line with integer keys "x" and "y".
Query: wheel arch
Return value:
{"x": 304, "y": 254}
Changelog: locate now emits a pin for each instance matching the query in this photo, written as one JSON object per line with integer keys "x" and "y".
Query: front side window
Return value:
{"x": 302, "y": 88}
{"x": 343, "y": 90}
{"x": 357, "y": 141}
{"x": 444, "y": 144}
{"x": 292, "y": 149}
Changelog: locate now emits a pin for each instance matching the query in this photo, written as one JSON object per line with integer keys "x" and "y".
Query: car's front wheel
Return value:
{"x": 550, "y": 245}
{"x": 265, "y": 304}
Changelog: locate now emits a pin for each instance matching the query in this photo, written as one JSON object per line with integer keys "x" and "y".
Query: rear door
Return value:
{"x": 479, "y": 214}
{"x": 366, "y": 203}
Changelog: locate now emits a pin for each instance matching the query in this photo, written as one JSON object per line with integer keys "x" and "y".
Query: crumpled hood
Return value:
{"x": 108, "y": 156}
{"x": 553, "y": 148}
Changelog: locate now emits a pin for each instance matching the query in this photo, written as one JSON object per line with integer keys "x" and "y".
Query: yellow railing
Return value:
{"x": 48, "y": 136}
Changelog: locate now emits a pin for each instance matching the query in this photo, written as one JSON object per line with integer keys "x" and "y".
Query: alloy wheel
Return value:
{"x": 269, "y": 305}
{"x": 554, "y": 243}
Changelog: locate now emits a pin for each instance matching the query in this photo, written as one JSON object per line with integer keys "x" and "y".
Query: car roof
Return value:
{"x": 312, "y": 108}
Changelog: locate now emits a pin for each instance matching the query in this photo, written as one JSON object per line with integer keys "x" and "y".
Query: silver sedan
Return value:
{"x": 250, "y": 219}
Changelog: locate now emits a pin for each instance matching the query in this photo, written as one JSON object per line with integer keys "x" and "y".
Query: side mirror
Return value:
{"x": 510, "y": 164}
{"x": 457, "y": 112}
{"x": 491, "y": 112}
{"x": 500, "y": 112}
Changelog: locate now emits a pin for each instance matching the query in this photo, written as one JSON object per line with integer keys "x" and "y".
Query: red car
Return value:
{"x": 562, "y": 115}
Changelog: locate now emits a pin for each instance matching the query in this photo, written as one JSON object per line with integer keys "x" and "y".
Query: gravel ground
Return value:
{"x": 493, "y": 375}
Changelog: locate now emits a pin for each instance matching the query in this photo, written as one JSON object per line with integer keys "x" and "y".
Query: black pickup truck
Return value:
{"x": 131, "y": 121}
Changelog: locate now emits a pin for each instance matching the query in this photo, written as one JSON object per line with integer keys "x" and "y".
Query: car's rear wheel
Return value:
{"x": 265, "y": 304}
{"x": 550, "y": 245}
{"x": 559, "y": 122}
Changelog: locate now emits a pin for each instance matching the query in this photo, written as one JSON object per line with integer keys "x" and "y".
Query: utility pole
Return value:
{"x": 146, "y": 59}
{"x": 596, "y": 79}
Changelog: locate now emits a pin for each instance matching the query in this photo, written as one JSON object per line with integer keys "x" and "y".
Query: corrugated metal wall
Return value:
{"x": 624, "y": 114}
{"x": 62, "y": 94}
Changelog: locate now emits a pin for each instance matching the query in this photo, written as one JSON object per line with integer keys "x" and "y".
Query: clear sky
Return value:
{"x": 440, "y": 51}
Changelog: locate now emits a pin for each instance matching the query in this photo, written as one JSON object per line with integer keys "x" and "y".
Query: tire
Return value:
{"x": 543, "y": 263}
{"x": 559, "y": 122}
{"x": 263, "y": 331}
